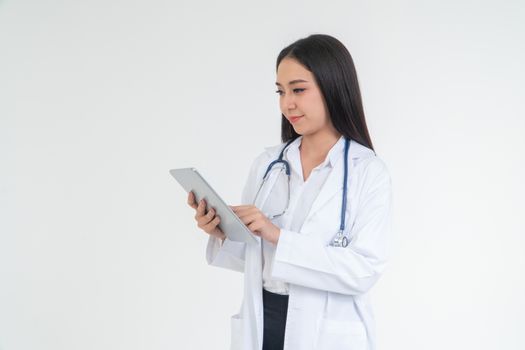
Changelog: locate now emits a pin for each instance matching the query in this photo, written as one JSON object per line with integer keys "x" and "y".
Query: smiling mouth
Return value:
{"x": 294, "y": 119}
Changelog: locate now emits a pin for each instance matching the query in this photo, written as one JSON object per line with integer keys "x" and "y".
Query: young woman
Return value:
{"x": 321, "y": 212}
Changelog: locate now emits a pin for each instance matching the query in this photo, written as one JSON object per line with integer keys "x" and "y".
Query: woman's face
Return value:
{"x": 299, "y": 95}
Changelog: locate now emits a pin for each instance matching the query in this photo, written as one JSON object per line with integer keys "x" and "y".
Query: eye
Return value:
{"x": 294, "y": 90}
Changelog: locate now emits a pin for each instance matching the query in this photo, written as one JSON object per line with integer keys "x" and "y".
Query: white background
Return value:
{"x": 99, "y": 99}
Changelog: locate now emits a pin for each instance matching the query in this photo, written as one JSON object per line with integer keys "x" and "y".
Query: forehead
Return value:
{"x": 289, "y": 69}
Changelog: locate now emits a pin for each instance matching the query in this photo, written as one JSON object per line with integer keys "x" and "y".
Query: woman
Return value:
{"x": 322, "y": 230}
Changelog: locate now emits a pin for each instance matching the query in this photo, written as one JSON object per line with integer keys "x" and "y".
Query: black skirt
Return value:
{"x": 275, "y": 311}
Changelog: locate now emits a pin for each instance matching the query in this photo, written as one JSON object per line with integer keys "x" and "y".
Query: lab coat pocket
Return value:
{"x": 236, "y": 332}
{"x": 341, "y": 335}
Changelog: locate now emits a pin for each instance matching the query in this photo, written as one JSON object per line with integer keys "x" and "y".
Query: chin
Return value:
{"x": 299, "y": 131}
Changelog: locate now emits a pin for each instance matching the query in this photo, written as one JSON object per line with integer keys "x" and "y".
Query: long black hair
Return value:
{"x": 333, "y": 68}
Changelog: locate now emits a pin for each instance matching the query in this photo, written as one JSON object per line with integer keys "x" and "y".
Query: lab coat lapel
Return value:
{"x": 266, "y": 189}
{"x": 334, "y": 182}
{"x": 270, "y": 181}
{"x": 332, "y": 185}
{"x": 252, "y": 306}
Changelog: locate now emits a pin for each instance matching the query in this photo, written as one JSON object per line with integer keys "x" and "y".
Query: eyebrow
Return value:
{"x": 293, "y": 82}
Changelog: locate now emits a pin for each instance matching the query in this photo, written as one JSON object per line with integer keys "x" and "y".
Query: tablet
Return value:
{"x": 232, "y": 226}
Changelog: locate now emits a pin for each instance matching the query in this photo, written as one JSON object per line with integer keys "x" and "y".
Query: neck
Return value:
{"x": 318, "y": 145}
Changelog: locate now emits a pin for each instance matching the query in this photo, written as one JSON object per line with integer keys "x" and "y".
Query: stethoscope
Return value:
{"x": 340, "y": 240}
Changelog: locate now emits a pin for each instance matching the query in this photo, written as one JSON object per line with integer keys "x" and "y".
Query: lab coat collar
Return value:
{"x": 356, "y": 151}
{"x": 334, "y": 182}
{"x": 332, "y": 156}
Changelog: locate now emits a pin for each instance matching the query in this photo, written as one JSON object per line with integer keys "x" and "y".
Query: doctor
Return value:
{"x": 321, "y": 210}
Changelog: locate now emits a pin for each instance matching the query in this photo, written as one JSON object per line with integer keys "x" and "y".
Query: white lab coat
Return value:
{"x": 329, "y": 306}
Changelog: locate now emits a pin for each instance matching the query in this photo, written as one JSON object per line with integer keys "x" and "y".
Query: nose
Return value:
{"x": 288, "y": 102}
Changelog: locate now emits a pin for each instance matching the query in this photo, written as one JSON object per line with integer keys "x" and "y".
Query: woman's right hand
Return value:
{"x": 206, "y": 221}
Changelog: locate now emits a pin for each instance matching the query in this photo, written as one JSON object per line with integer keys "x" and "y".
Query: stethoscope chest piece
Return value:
{"x": 340, "y": 240}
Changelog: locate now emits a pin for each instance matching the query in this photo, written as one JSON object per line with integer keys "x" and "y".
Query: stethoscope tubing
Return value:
{"x": 340, "y": 240}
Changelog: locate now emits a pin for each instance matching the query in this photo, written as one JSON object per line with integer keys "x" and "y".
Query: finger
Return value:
{"x": 191, "y": 200}
{"x": 246, "y": 210}
{"x": 255, "y": 226}
{"x": 212, "y": 224}
{"x": 205, "y": 219}
{"x": 242, "y": 213}
{"x": 201, "y": 209}
{"x": 241, "y": 207}
{"x": 247, "y": 219}
{"x": 211, "y": 214}
{"x": 251, "y": 219}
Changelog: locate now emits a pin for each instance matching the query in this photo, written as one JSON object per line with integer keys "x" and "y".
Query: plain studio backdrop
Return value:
{"x": 99, "y": 99}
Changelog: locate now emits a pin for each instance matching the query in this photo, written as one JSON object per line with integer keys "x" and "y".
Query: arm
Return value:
{"x": 305, "y": 260}
{"x": 230, "y": 254}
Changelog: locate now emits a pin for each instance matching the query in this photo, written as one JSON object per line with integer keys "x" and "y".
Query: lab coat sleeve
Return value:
{"x": 230, "y": 254}
{"x": 306, "y": 260}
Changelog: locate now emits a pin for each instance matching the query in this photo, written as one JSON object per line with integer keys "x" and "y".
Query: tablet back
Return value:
{"x": 191, "y": 180}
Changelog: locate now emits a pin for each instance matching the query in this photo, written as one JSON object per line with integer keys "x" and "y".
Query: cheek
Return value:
{"x": 316, "y": 109}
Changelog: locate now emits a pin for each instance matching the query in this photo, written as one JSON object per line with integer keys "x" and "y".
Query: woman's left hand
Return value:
{"x": 257, "y": 222}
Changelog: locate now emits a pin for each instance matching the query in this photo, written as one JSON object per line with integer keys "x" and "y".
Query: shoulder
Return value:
{"x": 274, "y": 150}
{"x": 264, "y": 158}
{"x": 257, "y": 169}
{"x": 364, "y": 157}
{"x": 269, "y": 153}
{"x": 370, "y": 167}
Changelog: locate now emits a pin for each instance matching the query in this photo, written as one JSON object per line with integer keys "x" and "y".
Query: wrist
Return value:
{"x": 277, "y": 235}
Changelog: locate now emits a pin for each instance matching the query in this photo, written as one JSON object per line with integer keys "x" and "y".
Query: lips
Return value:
{"x": 295, "y": 118}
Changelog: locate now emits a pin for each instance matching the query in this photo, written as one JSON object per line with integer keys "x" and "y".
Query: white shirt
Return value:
{"x": 302, "y": 195}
